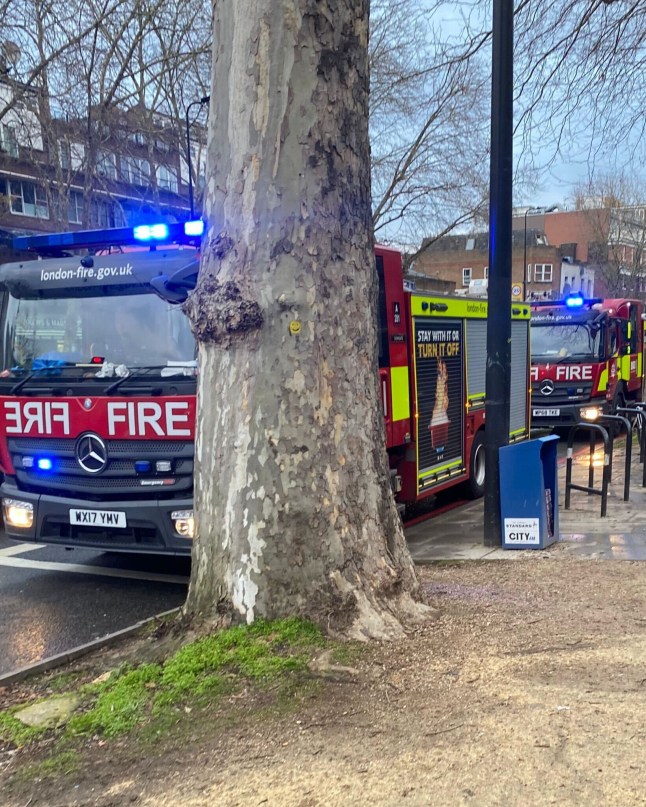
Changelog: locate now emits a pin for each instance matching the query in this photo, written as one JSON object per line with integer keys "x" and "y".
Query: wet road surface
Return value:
{"x": 52, "y": 600}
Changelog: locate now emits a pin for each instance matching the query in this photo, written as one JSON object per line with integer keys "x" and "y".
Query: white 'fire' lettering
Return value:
{"x": 572, "y": 372}
{"x": 146, "y": 418}
{"x": 152, "y": 419}
{"x": 36, "y": 417}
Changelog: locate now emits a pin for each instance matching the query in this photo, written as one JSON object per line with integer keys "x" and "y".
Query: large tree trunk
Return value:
{"x": 293, "y": 505}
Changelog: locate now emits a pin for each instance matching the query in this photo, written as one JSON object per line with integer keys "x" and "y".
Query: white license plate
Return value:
{"x": 98, "y": 518}
{"x": 545, "y": 413}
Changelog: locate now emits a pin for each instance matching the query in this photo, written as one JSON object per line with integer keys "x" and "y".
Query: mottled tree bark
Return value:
{"x": 293, "y": 505}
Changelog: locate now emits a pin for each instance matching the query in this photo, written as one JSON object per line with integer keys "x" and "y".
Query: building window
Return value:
{"x": 75, "y": 208}
{"x": 486, "y": 273}
{"x": 106, "y": 214}
{"x": 106, "y": 165}
{"x": 167, "y": 179}
{"x": 28, "y": 199}
{"x": 529, "y": 273}
{"x": 138, "y": 138}
{"x": 65, "y": 154}
{"x": 8, "y": 141}
{"x": 543, "y": 273}
{"x": 466, "y": 277}
{"x": 135, "y": 170}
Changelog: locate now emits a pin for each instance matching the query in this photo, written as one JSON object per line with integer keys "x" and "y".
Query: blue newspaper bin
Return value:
{"x": 529, "y": 494}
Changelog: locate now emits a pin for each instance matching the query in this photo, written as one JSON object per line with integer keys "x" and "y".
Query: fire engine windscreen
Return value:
{"x": 138, "y": 330}
{"x": 576, "y": 341}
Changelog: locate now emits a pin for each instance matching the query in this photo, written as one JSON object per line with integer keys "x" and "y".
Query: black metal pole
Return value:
{"x": 498, "y": 377}
{"x": 188, "y": 159}
{"x": 525, "y": 259}
{"x": 201, "y": 102}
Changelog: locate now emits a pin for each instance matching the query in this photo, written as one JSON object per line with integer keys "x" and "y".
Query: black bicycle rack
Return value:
{"x": 630, "y": 416}
{"x": 636, "y": 410}
{"x": 629, "y": 449}
{"x": 594, "y": 430}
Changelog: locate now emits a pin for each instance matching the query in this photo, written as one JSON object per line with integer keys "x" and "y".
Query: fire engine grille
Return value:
{"x": 161, "y": 448}
{"x": 120, "y": 477}
{"x": 563, "y": 393}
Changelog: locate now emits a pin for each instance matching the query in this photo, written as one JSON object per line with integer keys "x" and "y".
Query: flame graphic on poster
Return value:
{"x": 439, "y": 425}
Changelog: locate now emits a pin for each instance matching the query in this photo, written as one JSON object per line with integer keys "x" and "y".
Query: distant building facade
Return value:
{"x": 117, "y": 169}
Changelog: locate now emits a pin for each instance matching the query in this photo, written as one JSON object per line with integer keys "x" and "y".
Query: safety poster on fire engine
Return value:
{"x": 439, "y": 379}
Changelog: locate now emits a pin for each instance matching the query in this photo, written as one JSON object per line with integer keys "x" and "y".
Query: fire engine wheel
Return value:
{"x": 476, "y": 483}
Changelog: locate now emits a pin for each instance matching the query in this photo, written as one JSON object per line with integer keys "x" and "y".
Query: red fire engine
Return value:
{"x": 432, "y": 357}
{"x": 97, "y": 410}
{"x": 587, "y": 358}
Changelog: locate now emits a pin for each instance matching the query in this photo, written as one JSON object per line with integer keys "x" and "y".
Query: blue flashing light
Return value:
{"x": 574, "y": 301}
{"x": 150, "y": 232}
{"x": 142, "y": 466}
{"x": 180, "y": 232}
{"x": 195, "y": 228}
{"x": 44, "y": 464}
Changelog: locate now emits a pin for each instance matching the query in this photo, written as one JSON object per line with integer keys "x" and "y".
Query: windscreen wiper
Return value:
{"x": 146, "y": 371}
{"x": 17, "y": 387}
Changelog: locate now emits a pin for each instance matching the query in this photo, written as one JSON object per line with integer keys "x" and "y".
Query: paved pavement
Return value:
{"x": 458, "y": 533}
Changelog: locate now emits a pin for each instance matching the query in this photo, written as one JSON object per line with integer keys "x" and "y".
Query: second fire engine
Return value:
{"x": 587, "y": 358}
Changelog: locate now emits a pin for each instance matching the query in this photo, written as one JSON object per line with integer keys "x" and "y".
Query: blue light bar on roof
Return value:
{"x": 195, "y": 228}
{"x": 574, "y": 301}
{"x": 150, "y": 232}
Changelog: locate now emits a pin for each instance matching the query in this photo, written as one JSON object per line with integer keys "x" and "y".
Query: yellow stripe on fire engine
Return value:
{"x": 603, "y": 379}
{"x": 460, "y": 307}
{"x": 639, "y": 365}
{"x": 399, "y": 392}
{"x": 441, "y": 469}
{"x": 624, "y": 364}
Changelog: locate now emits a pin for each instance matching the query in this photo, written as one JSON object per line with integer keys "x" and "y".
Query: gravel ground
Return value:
{"x": 528, "y": 688}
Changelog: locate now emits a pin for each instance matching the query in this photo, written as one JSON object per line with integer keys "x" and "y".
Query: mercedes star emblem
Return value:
{"x": 547, "y": 386}
{"x": 91, "y": 453}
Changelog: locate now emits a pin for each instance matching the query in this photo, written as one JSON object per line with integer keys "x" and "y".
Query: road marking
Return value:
{"x": 20, "y": 549}
{"x": 99, "y": 571}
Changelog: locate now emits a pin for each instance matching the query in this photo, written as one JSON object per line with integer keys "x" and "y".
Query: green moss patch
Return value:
{"x": 136, "y": 695}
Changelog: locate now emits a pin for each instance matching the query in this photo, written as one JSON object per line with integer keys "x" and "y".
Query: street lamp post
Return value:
{"x": 532, "y": 210}
{"x": 525, "y": 257}
{"x": 498, "y": 374}
{"x": 200, "y": 103}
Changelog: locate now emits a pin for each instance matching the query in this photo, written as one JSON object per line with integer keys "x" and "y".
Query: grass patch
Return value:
{"x": 178, "y": 700}
{"x": 14, "y": 732}
{"x": 154, "y": 697}
{"x": 211, "y": 666}
{"x": 64, "y": 681}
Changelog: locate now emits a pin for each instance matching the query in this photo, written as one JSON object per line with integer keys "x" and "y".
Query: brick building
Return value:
{"x": 460, "y": 259}
{"x": 117, "y": 169}
{"x": 552, "y": 254}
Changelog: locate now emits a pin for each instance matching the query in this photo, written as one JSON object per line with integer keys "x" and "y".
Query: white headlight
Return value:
{"x": 184, "y": 523}
{"x": 18, "y": 514}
